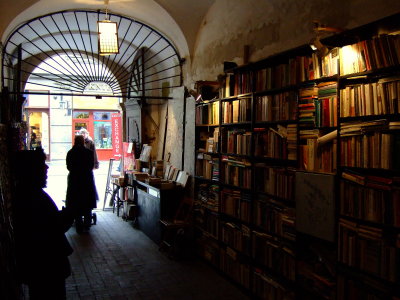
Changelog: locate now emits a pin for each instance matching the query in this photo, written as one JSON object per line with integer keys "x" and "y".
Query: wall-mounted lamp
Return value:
{"x": 315, "y": 43}
{"x": 107, "y": 32}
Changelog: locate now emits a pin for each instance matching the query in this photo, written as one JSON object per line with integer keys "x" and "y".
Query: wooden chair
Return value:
{"x": 173, "y": 230}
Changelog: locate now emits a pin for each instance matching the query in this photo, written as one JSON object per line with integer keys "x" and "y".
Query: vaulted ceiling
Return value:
{"x": 179, "y": 20}
{"x": 60, "y": 36}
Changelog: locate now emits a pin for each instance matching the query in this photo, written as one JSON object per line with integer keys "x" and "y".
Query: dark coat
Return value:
{"x": 90, "y": 145}
{"x": 81, "y": 190}
{"x": 41, "y": 245}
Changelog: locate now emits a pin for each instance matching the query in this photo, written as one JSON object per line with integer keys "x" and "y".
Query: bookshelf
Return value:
{"x": 296, "y": 116}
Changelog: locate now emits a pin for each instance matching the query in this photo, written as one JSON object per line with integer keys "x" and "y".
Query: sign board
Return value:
{"x": 116, "y": 121}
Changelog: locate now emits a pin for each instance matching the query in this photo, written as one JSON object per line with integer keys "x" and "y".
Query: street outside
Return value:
{"x": 57, "y": 181}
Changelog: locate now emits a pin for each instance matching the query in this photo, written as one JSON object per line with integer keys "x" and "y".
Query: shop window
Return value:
{"x": 102, "y": 116}
{"x": 103, "y": 135}
{"x": 81, "y": 115}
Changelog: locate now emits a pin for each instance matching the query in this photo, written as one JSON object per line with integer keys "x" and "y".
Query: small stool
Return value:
{"x": 117, "y": 202}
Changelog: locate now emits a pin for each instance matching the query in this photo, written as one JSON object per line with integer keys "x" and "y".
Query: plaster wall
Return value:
{"x": 174, "y": 133}
{"x": 272, "y": 26}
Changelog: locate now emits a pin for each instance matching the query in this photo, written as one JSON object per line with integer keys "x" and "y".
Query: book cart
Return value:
{"x": 297, "y": 180}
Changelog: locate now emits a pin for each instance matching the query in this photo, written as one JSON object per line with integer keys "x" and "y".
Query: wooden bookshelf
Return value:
{"x": 335, "y": 118}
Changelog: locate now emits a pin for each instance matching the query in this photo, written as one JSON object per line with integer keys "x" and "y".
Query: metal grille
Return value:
{"x": 59, "y": 52}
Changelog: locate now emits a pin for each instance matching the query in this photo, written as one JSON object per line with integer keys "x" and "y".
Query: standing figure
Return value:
{"x": 90, "y": 145}
{"x": 42, "y": 248}
{"x": 81, "y": 190}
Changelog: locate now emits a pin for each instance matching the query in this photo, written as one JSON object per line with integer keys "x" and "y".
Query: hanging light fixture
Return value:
{"x": 107, "y": 35}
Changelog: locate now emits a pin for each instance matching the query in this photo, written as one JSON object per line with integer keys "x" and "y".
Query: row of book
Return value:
{"x": 278, "y": 142}
{"x": 314, "y": 156}
{"x": 207, "y": 221}
{"x": 276, "y": 107}
{"x": 236, "y": 111}
{"x": 236, "y": 204}
{"x": 318, "y": 105}
{"x": 266, "y": 250}
{"x": 374, "y": 150}
{"x": 369, "y": 249}
{"x": 374, "y": 98}
{"x": 236, "y": 141}
{"x": 277, "y": 256}
{"x": 236, "y": 236}
{"x": 275, "y": 181}
{"x": 207, "y": 113}
{"x": 236, "y": 171}
{"x": 274, "y": 217}
{"x": 379, "y": 52}
{"x": 370, "y": 197}
{"x": 207, "y": 166}
{"x": 232, "y": 265}
{"x": 350, "y": 287}
{"x": 208, "y": 196}
{"x": 367, "y": 55}
{"x": 208, "y": 248}
{"x": 237, "y": 84}
{"x": 295, "y": 71}
{"x": 267, "y": 287}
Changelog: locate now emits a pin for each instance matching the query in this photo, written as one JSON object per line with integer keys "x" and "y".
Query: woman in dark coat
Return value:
{"x": 81, "y": 191}
{"x": 42, "y": 248}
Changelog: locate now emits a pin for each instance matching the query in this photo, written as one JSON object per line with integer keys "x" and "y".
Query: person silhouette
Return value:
{"x": 81, "y": 190}
{"x": 42, "y": 248}
{"x": 89, "y": 143}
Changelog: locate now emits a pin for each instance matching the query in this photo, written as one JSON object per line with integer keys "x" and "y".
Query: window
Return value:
{"x": 81, "y": 115}
{"x": 102, "y": 116}
{"x": 103, "y": 135}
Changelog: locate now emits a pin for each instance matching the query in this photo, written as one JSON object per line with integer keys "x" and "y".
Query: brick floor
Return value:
{"x": 116, "y": 261}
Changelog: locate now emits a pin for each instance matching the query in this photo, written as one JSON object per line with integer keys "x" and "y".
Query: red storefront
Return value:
{"x": 104, "y": 127}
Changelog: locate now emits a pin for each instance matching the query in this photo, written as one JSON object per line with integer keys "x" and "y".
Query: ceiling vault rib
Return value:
{"x": 73, "y": 81}
{"x": 62, "y": 55}
{"x": 69, "y": 46}
{"x": 58, "y": 43}
{"x": 132, "y": 55}
{"x": 92, "y": 74}
{"x": 91, "y": 45}
{"x": 40, "y": 84}
{"x": 84, "y": 47}
{"x": 76, "y": 46}
{"x": 123, "y": 55}
{"x": 41, "y": 50}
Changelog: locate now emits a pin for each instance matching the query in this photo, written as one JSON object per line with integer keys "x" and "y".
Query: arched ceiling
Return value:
{"x": 176, "y": 19}
{"x": 59, "y": 51}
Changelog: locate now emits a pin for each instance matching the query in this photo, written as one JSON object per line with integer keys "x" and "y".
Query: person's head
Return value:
{"x": 30, "y": 167}
{"x": 79, "y": 140}
{"x": 84, "y": 132}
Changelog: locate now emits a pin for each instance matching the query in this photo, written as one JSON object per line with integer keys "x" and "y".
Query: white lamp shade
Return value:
{"x": 107, "y": 37}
